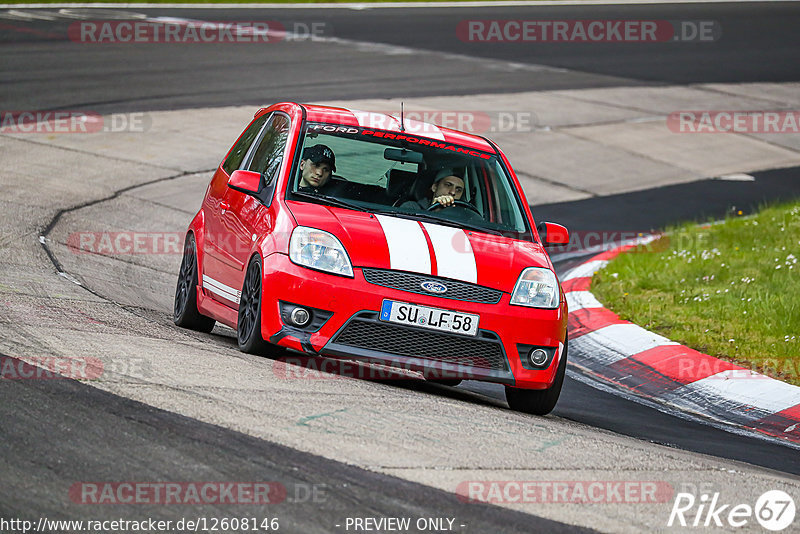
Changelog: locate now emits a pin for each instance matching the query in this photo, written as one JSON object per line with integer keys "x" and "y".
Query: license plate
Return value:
{"x": 433, "y": 318}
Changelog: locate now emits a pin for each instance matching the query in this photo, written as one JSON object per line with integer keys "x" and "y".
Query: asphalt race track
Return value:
{"x": 315, "y": 487}
{"x": 757, "y": 45}
{"x": 192, "y": 408}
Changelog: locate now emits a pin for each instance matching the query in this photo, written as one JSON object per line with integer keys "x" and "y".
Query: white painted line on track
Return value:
{"x": 593, "y": 251}
{"x": 738, "y": 397}
{"x": 757, "y": 390}
{"x": 738, "y": 177}
{"x": 580, "y": 300}
{"x": 394, "y": 50}
{"x": 585, "y": 376}
{"x": 618, "y": 342}
{"x": 585, "y": 269}
{"x": 385, "y": 5}
{"x": 367, "y": 46}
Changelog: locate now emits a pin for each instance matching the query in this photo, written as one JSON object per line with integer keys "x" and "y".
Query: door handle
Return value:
{"x": 224, "y": 206}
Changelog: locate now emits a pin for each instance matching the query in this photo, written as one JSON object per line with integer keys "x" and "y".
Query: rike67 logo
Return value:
{"x": 774, "y": 510}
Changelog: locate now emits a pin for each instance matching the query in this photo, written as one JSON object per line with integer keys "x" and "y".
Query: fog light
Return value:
{"x": 537, "y": 357}
{"x": 300, "y": 316}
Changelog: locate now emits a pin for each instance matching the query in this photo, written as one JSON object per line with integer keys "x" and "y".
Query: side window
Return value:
{"x": 239, "y": 150}
{"x": 269, "y": 154}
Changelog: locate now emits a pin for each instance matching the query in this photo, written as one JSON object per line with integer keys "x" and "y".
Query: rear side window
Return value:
{"x": 239, "y": 150}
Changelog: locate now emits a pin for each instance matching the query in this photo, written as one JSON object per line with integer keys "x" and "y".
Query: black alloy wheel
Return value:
{"x": 185, "y": 313}
{"x": 248, "y": 326}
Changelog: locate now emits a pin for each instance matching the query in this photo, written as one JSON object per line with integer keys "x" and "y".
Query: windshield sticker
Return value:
{"x": 396, "y": 136}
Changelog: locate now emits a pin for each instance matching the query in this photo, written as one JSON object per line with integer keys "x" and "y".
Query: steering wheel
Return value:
{"x": 456, "y": 203}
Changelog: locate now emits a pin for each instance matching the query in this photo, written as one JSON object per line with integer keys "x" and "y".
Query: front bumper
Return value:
{"x": 354, "y": 331}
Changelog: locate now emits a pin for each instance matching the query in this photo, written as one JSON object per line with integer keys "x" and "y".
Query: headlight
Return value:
{"x": 537, "y": 288}
{"x": 319, "y": 250}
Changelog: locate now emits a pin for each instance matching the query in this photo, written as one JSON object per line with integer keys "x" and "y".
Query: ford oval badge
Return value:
{"x": 433, "y": 287}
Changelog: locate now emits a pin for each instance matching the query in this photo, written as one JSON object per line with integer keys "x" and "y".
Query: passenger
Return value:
{"x": 446, "y": 189}
{"x": 316, "y": 167}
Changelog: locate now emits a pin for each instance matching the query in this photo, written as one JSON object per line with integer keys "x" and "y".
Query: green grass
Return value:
{"x": 731, "y": 290}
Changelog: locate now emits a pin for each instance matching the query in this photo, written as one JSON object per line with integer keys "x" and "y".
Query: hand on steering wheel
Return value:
{"x": 456, "y": 204}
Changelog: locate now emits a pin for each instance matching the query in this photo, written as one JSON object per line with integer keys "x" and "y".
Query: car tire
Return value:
{"x": 185, "y": 313}
{"x": 539, "y": 401}
{"x": 248, "y": 325}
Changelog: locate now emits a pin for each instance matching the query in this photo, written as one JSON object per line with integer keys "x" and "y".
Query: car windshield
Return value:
{"x": 374, "y": 171}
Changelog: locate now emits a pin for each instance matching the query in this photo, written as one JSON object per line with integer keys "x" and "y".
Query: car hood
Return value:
{"x": 388, "y": 242}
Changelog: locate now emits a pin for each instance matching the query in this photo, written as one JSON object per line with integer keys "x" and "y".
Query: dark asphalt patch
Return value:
{"x": 59, "y": 433}
{"x": 654, "y": 209}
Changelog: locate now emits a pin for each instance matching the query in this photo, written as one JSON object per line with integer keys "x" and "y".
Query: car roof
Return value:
{"x": 382, "y": 121}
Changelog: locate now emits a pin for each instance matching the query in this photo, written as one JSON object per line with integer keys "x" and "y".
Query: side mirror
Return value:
{"x": 247, "y": 182}
{"x": 552, "y": 233}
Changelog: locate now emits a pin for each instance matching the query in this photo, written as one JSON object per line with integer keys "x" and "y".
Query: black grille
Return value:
{"x": 484, "y": 351}
{"x": 411, "y": 282}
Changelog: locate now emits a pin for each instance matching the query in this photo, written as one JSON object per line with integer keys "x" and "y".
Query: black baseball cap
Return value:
{"x": 320, "y": 153}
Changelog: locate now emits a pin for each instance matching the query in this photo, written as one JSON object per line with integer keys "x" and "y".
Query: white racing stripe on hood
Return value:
{"x": 408, "y": 248}
{"x": 453, "y": 252}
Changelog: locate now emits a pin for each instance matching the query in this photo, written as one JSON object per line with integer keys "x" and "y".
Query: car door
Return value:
{"x": 218, "y": 242}
{"x": 247, "y": 217}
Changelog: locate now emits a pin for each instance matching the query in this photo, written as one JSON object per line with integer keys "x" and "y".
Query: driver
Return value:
{"x": 446, "y": 188}
{"x": 316, "y": 167}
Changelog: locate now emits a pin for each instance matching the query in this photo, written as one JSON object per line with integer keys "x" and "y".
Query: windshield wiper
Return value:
{"x": 476, "y": 227}
{"x": 440, "y": 220}
{"x": 339, "y": 203}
